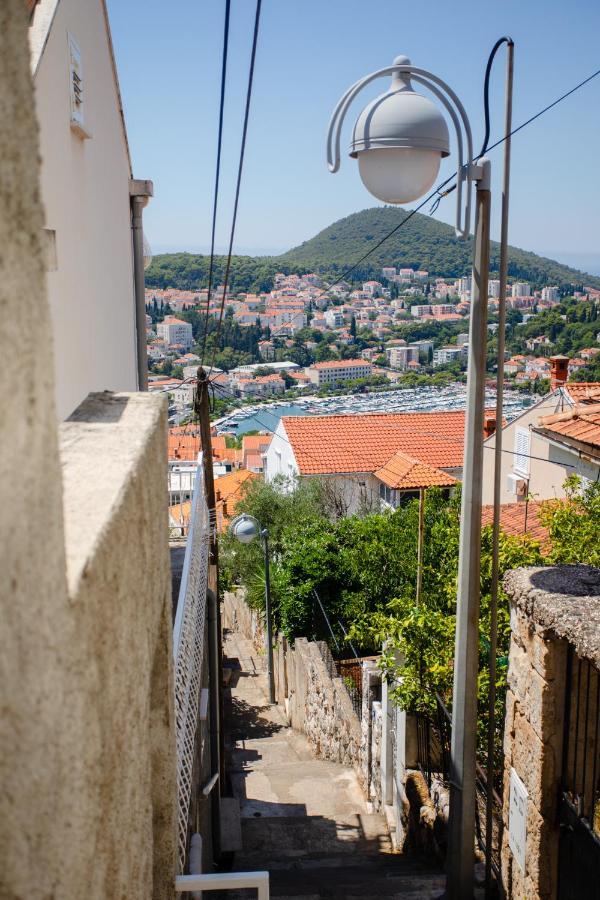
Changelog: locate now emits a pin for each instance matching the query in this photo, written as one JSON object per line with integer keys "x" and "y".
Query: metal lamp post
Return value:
{"x": 246, "y": 529}
{"x": 399, "y": 140}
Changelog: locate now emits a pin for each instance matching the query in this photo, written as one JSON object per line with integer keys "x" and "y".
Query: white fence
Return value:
{"x": 188, "y": 650}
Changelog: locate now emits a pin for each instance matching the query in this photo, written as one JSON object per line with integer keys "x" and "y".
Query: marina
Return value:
{"x": 266, "y": 416}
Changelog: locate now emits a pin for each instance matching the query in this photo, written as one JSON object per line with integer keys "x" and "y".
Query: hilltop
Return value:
{"x": 424, "y": 243}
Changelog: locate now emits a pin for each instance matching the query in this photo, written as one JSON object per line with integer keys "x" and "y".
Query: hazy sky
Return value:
{"x": 310, "y": 51}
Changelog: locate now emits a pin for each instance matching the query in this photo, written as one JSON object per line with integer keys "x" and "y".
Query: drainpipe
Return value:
{"x": 140, "y": 192}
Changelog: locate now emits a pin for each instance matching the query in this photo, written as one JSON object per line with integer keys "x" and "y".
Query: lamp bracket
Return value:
{"x": 453, "y": 106}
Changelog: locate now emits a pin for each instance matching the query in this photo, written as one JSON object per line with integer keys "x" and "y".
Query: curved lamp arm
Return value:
{"x": 452, "y": 104}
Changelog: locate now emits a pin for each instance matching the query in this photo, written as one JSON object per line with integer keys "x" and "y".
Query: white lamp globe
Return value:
{"x": 398, "y": 175}
{"x": 244, "y": 529}
{"x": 399, "y": 140}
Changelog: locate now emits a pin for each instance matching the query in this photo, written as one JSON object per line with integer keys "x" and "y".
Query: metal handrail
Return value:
{"x": 224, "y": 881}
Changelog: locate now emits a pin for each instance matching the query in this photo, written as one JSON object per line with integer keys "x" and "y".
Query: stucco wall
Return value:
{"x": 119, "y": 582}
{"x": 86, "y": 735}
{"x": 85, "y": 195}
{"x": 546, "y": 478}
{"x": 36, "y": 625}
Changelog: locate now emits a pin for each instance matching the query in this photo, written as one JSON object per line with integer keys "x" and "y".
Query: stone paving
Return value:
{"x": 304, "y": 819}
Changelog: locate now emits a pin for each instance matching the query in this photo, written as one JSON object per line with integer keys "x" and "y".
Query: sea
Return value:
{"x": 266, "y": 416}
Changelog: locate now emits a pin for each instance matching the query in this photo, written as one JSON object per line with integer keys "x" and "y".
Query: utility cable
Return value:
{"x": 217, "y": 173}
{"x": 239, "y": 178}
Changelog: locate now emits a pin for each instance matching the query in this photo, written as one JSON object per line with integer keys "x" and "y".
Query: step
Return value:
{"x": 289, "y": 836}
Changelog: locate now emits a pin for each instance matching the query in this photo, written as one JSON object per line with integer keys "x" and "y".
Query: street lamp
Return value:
{"x": 246, "y": 529}
{"x": 399, "y": 140}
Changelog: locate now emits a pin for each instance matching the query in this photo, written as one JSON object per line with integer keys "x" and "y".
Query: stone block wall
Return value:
{"x": 550, "y": 609}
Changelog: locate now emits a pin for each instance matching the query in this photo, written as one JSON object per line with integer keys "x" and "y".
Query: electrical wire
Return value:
{"x": 239, "y": 177}
{"x": 217, "y": 173}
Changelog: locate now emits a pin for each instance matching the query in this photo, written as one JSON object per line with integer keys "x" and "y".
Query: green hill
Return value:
{"x": 424, "y": 243}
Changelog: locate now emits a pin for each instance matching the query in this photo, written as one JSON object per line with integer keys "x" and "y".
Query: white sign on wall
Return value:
{"x": 517, "y": 819}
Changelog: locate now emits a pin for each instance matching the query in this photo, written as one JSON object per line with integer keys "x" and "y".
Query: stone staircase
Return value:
{"x": 303, "y": 818}
{"x": 312, "y": 857}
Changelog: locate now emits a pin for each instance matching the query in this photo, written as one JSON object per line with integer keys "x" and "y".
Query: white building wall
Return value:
{"x": 549, "y": 465}
{"x": 85, "y": 193}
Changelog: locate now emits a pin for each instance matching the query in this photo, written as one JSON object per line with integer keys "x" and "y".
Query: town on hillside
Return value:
{"x": 308, "y": 337}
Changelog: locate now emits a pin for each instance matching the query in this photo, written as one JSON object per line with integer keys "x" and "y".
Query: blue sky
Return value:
{"x": 168, "y": 56}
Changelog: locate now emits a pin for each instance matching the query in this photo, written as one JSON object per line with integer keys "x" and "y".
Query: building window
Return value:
{"x": 522, "y": 451}
{"x": 76, "y": 89}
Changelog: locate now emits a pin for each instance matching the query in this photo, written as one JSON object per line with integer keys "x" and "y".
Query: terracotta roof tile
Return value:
{"x": 402, "y": 472}
{"x": 365, "y": 443}
{"x": 518, "y": 519}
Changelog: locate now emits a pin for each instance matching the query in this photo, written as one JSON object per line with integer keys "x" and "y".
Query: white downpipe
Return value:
{"x": 224, "y": 881}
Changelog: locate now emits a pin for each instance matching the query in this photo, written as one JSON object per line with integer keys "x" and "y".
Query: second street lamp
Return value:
{"x": 399, "y": 141}
{"x": 246, "y": 529}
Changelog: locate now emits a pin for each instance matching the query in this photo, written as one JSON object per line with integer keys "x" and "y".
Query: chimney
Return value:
{"x": 489, "y": 425}
{"x": 559, "y": 371}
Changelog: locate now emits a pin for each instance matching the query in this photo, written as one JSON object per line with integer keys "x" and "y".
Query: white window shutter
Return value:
{"x": 522, "y": 450}
{"x": 76, "y": 83}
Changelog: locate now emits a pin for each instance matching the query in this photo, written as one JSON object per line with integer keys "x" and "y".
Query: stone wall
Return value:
{"x": 550, "y": 608}
{"x": 238, "y": 616}
{"x": 317, "y": 703}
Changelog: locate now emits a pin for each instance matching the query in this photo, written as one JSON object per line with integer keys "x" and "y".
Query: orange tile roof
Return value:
{"x": 403, "y": 472}
{"x": 184, "y": 446}
{"x": 228, "y": 492}
{"x": 365, "y": 443}
{"x": 581, "y": 391}
{"x": 252, "y": 442}
{"x": 518, "y": 519}
{"x": 340, "y": 363}
{"x": 583, "y": 428}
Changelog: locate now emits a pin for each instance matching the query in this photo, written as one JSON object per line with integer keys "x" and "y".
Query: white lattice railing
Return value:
{"x": 188, "y": 650}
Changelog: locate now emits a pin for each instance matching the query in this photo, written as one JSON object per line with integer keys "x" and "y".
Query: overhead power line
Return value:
{"x": 217, "y": 171}
{"x": 239, "y": 178}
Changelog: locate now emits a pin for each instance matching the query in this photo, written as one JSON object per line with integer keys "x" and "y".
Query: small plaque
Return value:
{"x": 517, "y": 819}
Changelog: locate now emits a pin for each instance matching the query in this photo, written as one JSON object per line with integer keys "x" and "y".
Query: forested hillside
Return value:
{"x": 424, "y": 243}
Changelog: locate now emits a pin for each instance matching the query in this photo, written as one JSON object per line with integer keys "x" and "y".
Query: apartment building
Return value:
{"x": 444, "y": 355}
{"x": 175, "y": 331}
{"x": 521, "y": 289}
{"x": 399, "y": 357}
{"x": 419, "y": 311}
{"x": 338, "y": 371}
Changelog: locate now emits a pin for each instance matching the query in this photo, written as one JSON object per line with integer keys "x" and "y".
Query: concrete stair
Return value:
{"x": 312, "y": 858}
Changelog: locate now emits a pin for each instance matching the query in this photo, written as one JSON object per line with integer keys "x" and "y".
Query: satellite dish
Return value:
{"x": 147, "y": 253}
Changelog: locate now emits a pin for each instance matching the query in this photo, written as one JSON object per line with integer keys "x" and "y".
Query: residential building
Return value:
{"x": 372, "y": 288}
{"x": 521, "y": 289}
{"x": 400, "y": 357}
{"x": 494, "y": 288}
{"x": 444, "y": 355}
{"x": 261, "y": 386}
{"x": 463, "y": 285}
{"x": 419, "y": 311}
{"x": 86, "y": 184}
{"x": 389, "y": 272}
{"x": 254, "y": 449}
{"x": 336, "y": 372}
{"x": 334, "y": 318}
{"x": 546, "y": 443}
{"x": 350, "y": 453}
{"x": 175, "y": 331}
{"x": 425, "y": 348}
{"x": 442, "y": 309}
{"x": 266, "y": 350}
{"x": 462, "y": 339}
{"x": 550, "y": 294}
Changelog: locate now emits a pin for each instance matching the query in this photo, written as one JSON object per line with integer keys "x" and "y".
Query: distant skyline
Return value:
{"x": 168, "y": 58}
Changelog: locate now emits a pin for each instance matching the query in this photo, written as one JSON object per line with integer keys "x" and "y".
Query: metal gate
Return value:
{"x": 579, "y": 802}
